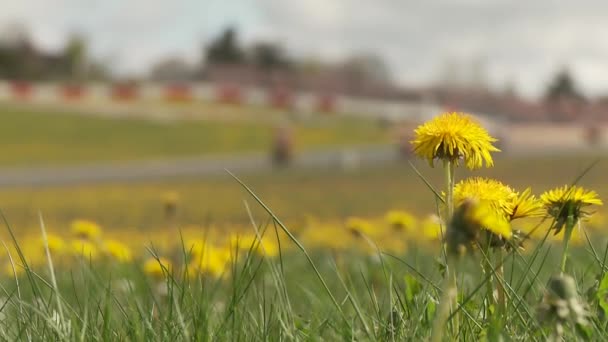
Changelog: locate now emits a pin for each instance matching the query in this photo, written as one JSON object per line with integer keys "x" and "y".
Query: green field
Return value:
{"x": 35, "y": 136}
{"x": 293, "y": 194}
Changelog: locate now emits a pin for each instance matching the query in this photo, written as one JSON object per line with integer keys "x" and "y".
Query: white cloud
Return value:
{"x": 522, "y": 41}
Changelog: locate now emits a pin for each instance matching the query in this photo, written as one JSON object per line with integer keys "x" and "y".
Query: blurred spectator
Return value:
{"x": 593, "y": 134}
{"x": 282, "y": 149}
{"x": 405, "y": 134}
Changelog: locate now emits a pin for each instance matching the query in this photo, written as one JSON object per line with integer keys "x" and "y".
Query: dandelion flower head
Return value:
{"x": 454, "y": 136}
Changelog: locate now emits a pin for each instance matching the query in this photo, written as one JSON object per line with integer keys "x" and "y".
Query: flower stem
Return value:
{"x": 449, "y": 296}
{"x": 566, "y": 242}
{"x": 500, "y": 277}
{"x": 448, "y": 167}
{"x": 487, "y": 269}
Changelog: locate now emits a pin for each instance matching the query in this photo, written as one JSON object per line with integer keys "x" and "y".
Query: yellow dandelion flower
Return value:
{"x": 171, "y": 198}
{"x": 499, "y": 196}
{"x": 400, "y": 220}
{"x": 486, "y": 218}
{"x": 526, "y": 205}
{"x": 157, "y": 268}
{"x": 13, "y": 270}
{"x": 85, "y": 249}
{"x": 502, "y": 198}
{"x": 55, "y": 243}
{"x": 85, "y": 229}
{"x": 196, "y": 247}
{"x": 568, "y": 201}
{"x": 452, "y": 136}
{"x": 470, "y": 220}
{"x": 325, "y": 235}
{"x": 358, "y": 226}
{"x": 213, "y": 262}
{"x": 245, "y": 242}
{"x": 118, "y": 251}
{"x": 431, "y": 227}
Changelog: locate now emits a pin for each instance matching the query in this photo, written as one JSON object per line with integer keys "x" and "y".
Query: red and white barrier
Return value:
{"x": 280, "y": 98}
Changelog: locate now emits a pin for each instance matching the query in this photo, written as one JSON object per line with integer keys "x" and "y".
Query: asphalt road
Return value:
{"x": 191, "y": 167}
{"x": 212, "y": 166}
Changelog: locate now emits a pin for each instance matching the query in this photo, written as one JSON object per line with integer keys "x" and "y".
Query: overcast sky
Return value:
{"x": 518, "y": 42}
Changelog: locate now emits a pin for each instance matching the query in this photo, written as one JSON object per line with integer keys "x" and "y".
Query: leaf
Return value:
{"x": 412, "y": 288}
{"x": 602, "y": 294}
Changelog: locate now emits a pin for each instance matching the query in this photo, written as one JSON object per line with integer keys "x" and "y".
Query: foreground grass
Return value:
{"x": 35, "y": 136}
{"x": 298, "y": 294}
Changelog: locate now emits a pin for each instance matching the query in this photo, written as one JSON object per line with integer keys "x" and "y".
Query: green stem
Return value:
{"x": 449, "y": 296}
{"x": 566, "y": 242}
{"x": 448, "y": 167}
{"x": 500, "y": 277}
{"x": 487, "y": 269}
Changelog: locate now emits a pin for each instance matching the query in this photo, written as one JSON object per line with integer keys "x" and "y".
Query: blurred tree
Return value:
{"x": 18, "y": 56}
{"x": 225, "y": 49}
{"x": 367, "y": 67}
{"x": 268, "y": 55}
{"x": 75, "y": 57}
{"x": 171, "y": 69}
{"x": 563, "y": 86}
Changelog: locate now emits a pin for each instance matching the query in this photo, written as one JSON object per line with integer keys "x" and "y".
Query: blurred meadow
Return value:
{"x": 36, "y": 135}
{"x": 303, "y": 171}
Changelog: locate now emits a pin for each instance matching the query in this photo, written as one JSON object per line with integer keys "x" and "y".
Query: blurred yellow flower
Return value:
{"x": 85, "y": 249}
{"x": 11, "y": 270}
{"x": 196, "y": 247}
{"x": 118, "y": 251}
{"x": 358, "y": 226}
{"x": 157, "y": 268}
{"x": 326, "y": 235}
{"x": 451, "y": 136}
{"x": 171, "y": 198}
{"x": 55, "y": 243}
{"x": 213, "y": 262}
{"x": 470, "y": 220}
{"x": 400, "y": 220}
{"x": 245, "y": 242}
{"x": 431, "y": 227}
{"x": 84, "y": 229}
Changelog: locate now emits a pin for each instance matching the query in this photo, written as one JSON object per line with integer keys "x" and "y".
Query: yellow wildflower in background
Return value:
{"x": 214, "y": 261}
{"x": 431, "y": 227}
{"x": 85, "y": 249}
{"x": 451, "y": 136}
{"x": 358, "y": 226}
{"x": 85, "y": 229}
{"x": 13, "y": 270}
{"x": 568, "y": 201}
{"x": 157, "y": 268}
{"x": 245, "y": 242}
{"x": 55, "y": 243}
{"x": 118, "y": 251}
{"x": 400, "y": 220}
